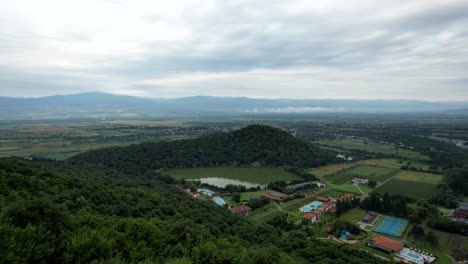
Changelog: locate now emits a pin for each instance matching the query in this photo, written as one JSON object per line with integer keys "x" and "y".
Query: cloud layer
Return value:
{"x": 264, "y": 49}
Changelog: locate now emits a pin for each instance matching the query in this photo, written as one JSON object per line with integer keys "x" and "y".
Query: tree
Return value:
{"x": 372, "y": 183}
{"x": 432, "y": 239}
{"x": 418, "y": 232}
{"x": 236, "y": 197}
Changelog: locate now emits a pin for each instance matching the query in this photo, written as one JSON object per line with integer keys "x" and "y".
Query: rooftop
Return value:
{"x": 240, "y": 209}
{"x": 387, "y": 243}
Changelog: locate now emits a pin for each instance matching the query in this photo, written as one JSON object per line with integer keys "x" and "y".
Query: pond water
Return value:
{"x": 222, "y": 182}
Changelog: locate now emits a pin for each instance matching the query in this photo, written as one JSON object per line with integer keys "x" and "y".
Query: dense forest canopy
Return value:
{"x": 57, "y": 212}
{"x": 255, "y": 143}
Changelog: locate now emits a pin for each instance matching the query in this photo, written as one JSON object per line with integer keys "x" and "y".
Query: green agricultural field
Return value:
{"x": 373, "y": 147}
{"x": 63, "y": 140}
{"x": 378, "y": 174}
{"x": 253, "y": 175}
{"x": 326, "y": 170}
{"x": 419, "y": 177}
{"x": 353, "y": 216}
{"x": 416, "y": 190}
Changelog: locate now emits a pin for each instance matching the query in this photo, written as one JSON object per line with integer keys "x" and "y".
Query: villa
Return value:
{"x": 347, "y": 197}
{"x": 360, "y": 180}
{"x": 242, "y": 210}
{"x": 462, "y": 210}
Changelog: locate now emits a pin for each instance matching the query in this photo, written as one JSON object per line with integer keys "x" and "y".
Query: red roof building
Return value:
{"x": 322, "y": 199}
{"x": 346, "y": 197}
{"x": 332, "y": 210}
{"x": 386, "y": 244}
{"x": 275, "y": 196}
{"x": 310, "y": 215}
{"x": 462, "y": 210}
{"x": 242, "y": 210}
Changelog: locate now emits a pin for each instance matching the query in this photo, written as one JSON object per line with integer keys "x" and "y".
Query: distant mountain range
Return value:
{"x": 98, "y": 105}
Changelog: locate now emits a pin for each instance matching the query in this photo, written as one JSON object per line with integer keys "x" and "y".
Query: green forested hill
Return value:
{"x": 267, "y": 145}
{"x": 57, "y": 212}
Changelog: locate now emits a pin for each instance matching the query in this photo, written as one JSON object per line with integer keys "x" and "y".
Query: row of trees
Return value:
{"x": 393, "y": 204}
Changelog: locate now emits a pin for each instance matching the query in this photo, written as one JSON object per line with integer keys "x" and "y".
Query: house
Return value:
{"x": 346, "y": 197}
{"x": 322, "y": 199}
{"x": 242, "y": 210}
{"x": 320, "y": 185}
{"x": 313, "y": 217}
{"x": 360, "y": 180}
{"x": 332, "y": 210}
{"x": 386, "y": 244}
{"x": 275, "y": 196}
{"x": 462, "y": 210}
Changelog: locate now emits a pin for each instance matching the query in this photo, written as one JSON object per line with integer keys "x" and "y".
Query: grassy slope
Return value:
{"x": 254, "y": 175}
{"x": 416, "y": 190}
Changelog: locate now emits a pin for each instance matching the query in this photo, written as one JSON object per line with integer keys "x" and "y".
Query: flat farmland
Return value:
{"x": 373, "y": 147}
{"x": 378, "y": 174}
{"x": 353, "y": 216}
{"x": 413, "y": 189}
{"x": 419, "y": 177}
{"x": 254, "y": 175}
{"x": 63, "y": 140}
{"x": 329, "y": 169}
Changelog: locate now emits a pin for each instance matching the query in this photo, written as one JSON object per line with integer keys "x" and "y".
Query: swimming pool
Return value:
{"x": 206, "y": 192}
{"x": 411, "y": 255}
{"x": 310, "y": 207}
{"x": 219, "y": 201}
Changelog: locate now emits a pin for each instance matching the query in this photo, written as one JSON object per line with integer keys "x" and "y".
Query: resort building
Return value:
{"x": 360, "y": 180}
{"x": 347, "y": 197}
{"x": 322, "y": 199}
{"x": 313, "y": 216}
{"x": 462, "y": 210}
{"x": 242, "y": 210}
{"x": 301, "y": 185}
{"x": 386, "y": 244}
{"x": 275, "y": 196}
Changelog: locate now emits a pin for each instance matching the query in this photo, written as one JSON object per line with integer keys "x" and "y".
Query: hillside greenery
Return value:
{"x": 261, "y": 144}
{"x": 58, "y": 212}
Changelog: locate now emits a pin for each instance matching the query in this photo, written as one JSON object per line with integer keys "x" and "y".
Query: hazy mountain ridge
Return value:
{"x": 111, "y": 104}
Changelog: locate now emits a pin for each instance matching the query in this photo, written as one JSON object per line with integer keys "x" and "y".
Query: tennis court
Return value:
{"x": 392, "y": 226}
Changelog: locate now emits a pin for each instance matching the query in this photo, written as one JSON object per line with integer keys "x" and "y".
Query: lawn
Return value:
{"x": 353, "y": 216}
{"x": 416, "y": 190}
{"x": 447, "y": 243}
{"x": 419, "y": 177}
{"x": 253, "y": 175}
{"x": 378, "y": 174}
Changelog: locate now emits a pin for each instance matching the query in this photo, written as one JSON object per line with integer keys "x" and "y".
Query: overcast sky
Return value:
{"x": 264, "y": 49}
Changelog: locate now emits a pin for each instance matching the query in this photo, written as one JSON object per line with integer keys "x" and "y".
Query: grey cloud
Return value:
{"x": 361, "y": 49}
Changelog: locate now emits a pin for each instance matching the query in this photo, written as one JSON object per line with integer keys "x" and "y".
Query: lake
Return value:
{"x": 222, "y": 182}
